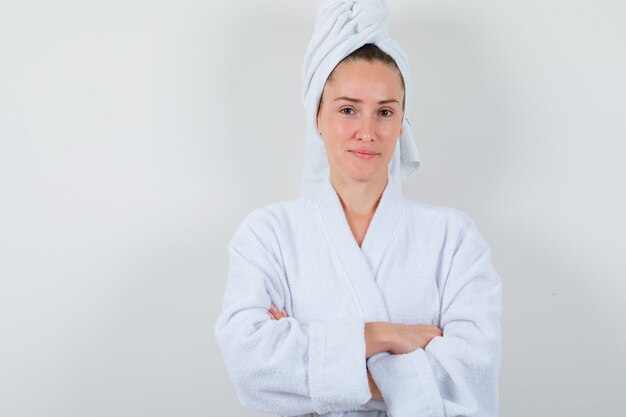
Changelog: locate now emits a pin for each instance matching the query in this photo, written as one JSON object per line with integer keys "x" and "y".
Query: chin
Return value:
{"x": 361, "y": 175}
{"x": 359, "y": 172}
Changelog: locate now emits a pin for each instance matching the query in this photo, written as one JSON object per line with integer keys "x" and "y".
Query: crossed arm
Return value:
{"x": 286, "y": 367}
{"x": 385, "y": 337}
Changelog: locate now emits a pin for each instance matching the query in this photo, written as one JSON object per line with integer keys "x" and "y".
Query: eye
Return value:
{"x": 388, "y": 114}
{"x": 346, "y": 108}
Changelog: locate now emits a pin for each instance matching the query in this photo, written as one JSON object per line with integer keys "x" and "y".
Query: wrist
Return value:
{"x": 377, "y": 338}
{"x": 386, "y": 336}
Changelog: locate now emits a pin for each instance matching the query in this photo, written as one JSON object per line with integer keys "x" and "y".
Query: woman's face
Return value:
{"x": 360, "y": 119}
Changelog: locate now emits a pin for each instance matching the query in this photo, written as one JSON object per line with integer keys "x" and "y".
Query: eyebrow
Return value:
{"x": 356, "y": 100}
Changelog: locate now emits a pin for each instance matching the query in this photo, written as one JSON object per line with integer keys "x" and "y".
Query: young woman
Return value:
{"x": 356, "y": 300}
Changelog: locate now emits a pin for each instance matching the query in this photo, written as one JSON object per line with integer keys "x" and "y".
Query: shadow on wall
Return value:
{"x": 555, "y": 311}
{"x": 458, "y": 113}
{"x": 262, "y": 102}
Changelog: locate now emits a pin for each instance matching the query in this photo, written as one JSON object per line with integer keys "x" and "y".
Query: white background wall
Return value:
{"x": 136, "y": 135}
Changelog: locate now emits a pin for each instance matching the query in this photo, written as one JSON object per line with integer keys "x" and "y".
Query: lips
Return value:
{"x": 363, "y": 153}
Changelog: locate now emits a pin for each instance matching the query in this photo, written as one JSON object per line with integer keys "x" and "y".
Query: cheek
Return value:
{"x": 392, "y": 131}
{"x": 339, "y": 131}
{"x": 340, "y": 127}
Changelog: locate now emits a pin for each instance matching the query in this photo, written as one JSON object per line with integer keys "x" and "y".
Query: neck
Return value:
{"x": 359, "y": 198}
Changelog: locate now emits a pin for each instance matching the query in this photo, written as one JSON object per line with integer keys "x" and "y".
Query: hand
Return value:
{"x": 404, "y": 338}
{"x": 276, "y": 314}
{"x": 382, "y": 336}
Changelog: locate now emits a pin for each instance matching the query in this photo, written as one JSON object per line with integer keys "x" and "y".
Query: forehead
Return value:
{"x": 364, "y": 77}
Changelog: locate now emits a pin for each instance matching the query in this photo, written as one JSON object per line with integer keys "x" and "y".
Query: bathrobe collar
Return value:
{"x": 361, "y": 264}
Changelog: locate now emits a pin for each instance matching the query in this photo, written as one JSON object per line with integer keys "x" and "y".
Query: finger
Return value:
{"x": 280, "y": 315}
{"x": 277, "y": 315}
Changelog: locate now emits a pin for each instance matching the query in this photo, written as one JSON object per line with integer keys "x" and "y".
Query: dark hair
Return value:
{"x": 371, "y": 53}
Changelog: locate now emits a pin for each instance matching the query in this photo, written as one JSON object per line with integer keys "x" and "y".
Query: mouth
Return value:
{"x": 362, "y": 154}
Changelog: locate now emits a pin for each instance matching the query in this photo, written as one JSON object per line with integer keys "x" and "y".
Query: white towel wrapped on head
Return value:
{"x": 342, "y": 26}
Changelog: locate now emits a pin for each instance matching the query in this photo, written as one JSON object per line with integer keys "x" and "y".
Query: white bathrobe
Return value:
{"x": 418, "y": 264}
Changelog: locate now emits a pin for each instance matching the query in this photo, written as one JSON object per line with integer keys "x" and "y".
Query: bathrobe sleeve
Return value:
{"x": 457, "y": 374}
{"x": 282, "y": 366}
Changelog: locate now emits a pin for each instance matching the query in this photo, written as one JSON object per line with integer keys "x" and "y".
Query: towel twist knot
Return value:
{"x": 366, "y": 14}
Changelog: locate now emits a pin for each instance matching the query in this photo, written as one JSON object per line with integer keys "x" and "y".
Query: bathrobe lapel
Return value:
{"x": 360, "y": 265}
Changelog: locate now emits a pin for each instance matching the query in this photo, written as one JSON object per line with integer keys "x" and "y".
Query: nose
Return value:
{"x": 366, "y": 129}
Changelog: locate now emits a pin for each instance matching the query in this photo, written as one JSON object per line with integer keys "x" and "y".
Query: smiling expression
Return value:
{"x": 360, "y": 118}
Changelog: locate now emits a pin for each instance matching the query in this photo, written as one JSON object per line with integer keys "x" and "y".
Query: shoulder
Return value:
{"x": 265, "y": 224}
{"x": 453, "y": 223}
{"x": 437, "y": 215}
{"x": 273, "y": 216}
